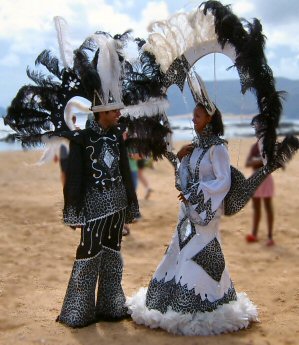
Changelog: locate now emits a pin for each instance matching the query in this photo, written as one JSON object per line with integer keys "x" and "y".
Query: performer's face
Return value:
{"x": 200, "y": 119}
{"x": 109, "y": 118}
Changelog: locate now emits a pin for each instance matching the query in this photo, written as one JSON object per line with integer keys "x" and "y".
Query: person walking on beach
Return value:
{"x": 264, "y": 193}
{"x": 142, "y": 178}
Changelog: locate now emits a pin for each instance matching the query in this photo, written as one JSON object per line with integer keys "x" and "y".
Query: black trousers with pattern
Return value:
{"x": 98, "y": 259}
{"x": 101, "y": 232}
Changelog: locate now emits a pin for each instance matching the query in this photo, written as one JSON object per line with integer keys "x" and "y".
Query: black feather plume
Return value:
{"x": 142, "y": 79}
{"x": 285, "y": 151}
{"x": 146, "y": 135}
{"x": 255, "y": 74}
{"x": 50, "y": 62}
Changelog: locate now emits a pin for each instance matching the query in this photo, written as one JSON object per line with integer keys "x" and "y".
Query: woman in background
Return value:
{"x": 264, "y": 192}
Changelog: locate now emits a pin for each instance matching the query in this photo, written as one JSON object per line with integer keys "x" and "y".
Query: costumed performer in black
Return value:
{"x": 191, "y": 292}
{"x": 98, "y": 194}
{"x": 99, "y": 198}
{"x": 98, "y": 178}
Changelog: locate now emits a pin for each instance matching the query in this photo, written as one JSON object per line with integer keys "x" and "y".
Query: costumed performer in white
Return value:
{"x": 191, "y": 292}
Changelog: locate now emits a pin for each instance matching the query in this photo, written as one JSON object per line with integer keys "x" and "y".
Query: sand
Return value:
{"x": 37, "y": 253}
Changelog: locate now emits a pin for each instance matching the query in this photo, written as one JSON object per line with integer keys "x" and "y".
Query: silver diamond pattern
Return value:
{"x": 108, "y": 158}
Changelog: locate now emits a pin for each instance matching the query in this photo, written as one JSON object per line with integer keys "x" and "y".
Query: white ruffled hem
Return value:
{"x": 226, "y": 318}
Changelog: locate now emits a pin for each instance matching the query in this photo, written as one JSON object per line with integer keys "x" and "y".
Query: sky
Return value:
{"x": 26, "y": 29}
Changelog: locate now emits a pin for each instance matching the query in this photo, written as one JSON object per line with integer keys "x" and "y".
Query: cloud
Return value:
{"x": 29, "y": 25}
{"x": 124, "y": 4}
{"x": 277, "y": 12}
{"x": 282, "y": 35}
{"x": 26, "y": 27}
{"x": 107, "y": 18}
{"x": 19, "y": 17}
{"x": 155, "y": 11}
{"x": 10, "y": 60}
{"x": 242, "y": 8}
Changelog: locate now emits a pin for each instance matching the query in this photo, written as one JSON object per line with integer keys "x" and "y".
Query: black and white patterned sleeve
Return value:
{"x": 206, "y": 196}
{"x": 175, "y": 162}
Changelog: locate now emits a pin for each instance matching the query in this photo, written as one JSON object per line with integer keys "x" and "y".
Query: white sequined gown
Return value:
{"x": 191, "y": 292}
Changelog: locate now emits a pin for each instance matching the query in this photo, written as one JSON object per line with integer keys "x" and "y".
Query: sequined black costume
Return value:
{"x": 99, "y": 198}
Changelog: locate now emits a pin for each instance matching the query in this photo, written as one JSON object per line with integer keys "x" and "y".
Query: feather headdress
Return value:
{"x": 180, "y": 41}
{"x": 109, "y": 69}
{"x": 199, "y": 92}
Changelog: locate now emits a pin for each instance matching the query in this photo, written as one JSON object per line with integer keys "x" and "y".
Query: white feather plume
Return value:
{"x": 192, "y": 34}
{"x": 152, "y": 107}
{"x": 108, "y": 67}
{"x": 65, "y": 47}
{"x": 51, "y": 150}
{"x": 130, "y": 51}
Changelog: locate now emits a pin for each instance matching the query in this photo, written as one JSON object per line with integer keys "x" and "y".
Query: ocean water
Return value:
{"x": 182, "y": 126}
{"x": 234, "y": 127}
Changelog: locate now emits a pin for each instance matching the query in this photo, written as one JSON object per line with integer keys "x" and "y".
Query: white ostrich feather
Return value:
{"x": 65, "y": 47}
{"x": 229, "y": 317}
{"x": 192, "y": 34}
{"x": 152, "y": 107}
{"x": 179, "y": 25}
{"x": 108, "y": 67}
{"x": 131, "y": 51}
{"x": 157, "y": 42}
{"x": 52, "y": 148}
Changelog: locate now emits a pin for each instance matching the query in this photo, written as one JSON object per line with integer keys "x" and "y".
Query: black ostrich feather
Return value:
{"x": 40, "y": 79}
{"x": 143, "y": 81}
{"x": 34, "y": 140}
{"x": 46, "y": 59}
{"x": 286, "y": 150}
{"x": 251, "y": 63}
{"x": 38, "y": 108}
{"x": 146, "y": 135}
{"x": 86, "y": 69}
{"x": 27, "y": 114}
{"x": 123, "y": 37}
{"x": 143, "y": 78}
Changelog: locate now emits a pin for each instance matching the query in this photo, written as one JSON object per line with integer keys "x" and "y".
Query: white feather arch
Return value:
{"x": 189, "y": 34}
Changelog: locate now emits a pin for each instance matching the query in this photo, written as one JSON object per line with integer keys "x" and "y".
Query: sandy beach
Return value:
{"x": 37, "y": 253}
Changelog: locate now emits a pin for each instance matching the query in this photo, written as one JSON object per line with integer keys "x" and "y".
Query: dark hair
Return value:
{"x": 216, "y": 122}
